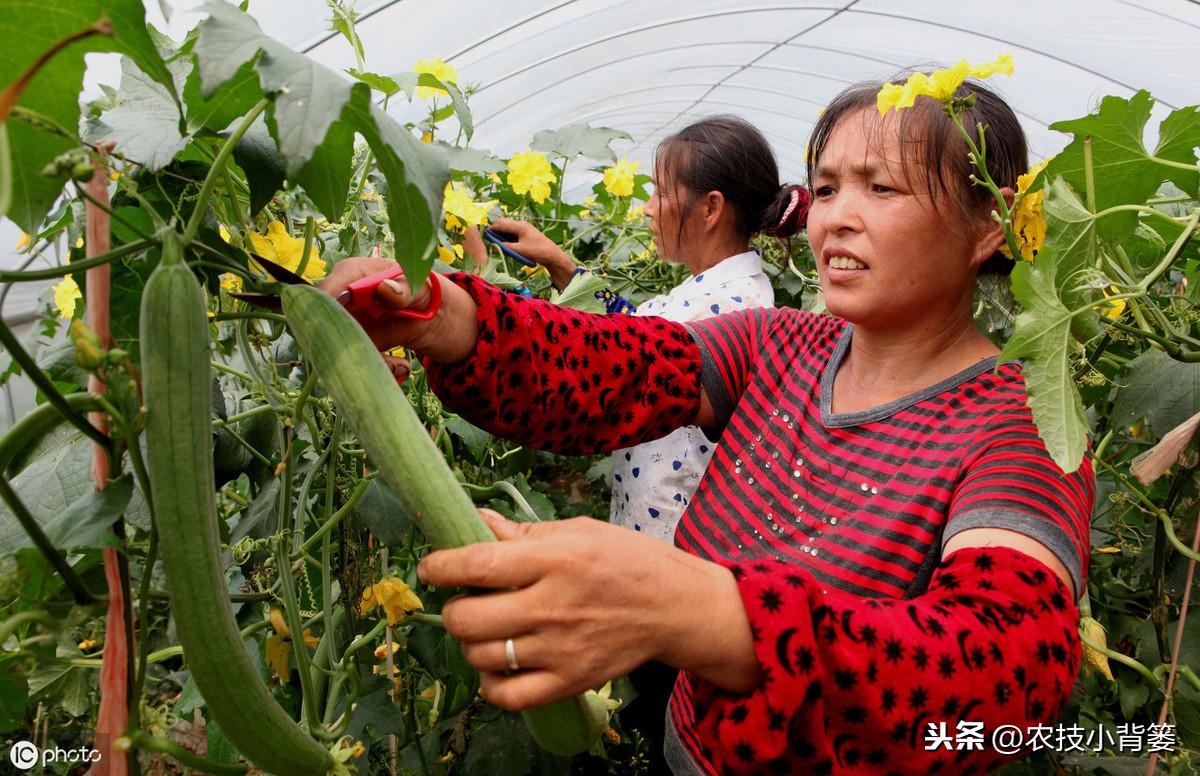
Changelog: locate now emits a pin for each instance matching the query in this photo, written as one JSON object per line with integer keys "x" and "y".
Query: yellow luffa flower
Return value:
{"x": 22, "y": 243}
{"x": 940, "y": 85}
{"x": 618, "y": 179}
{"x": 458, "y": 203}
{"x": 231, "y": 283}
{"x": 278, "y": 647}
{"x": 393, "y": 595}
{"x": 427, "y": 138}
{"x": 66, "y": 291}
{"x": 285, "y": 250}
{"x": 530, "y": 171}
{"x": 1028, "y": 221}
{"x": 635, "y": 213}
{"x": 450, "y": 255}
{"x": 439, "y": 69}
{"x": 1112, "y": 310}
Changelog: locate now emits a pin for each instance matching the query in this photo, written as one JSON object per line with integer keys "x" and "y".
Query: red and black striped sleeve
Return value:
{"x": 729, "y": 346}
{"x": 1012, "y": 483}
{"x": 567, "y": 381}
{"x": 858, "y": 685}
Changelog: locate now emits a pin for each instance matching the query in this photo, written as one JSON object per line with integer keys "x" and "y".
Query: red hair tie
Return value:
{"x": 799, "y": 199}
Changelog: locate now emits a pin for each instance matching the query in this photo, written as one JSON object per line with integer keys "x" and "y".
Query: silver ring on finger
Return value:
{"x": 510, "y": 655}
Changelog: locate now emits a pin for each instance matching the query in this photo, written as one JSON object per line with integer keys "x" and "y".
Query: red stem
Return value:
{"x": 1183, "y": 611}
{"x": 113, "y": 717}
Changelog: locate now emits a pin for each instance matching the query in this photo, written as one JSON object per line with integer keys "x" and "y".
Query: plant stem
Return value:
{"x": 107, "y": 210}
{"x": 1169, "y": 259}
{"x": 1123, "y": 659}
{"x": 250, "y": 314}
{"x": 39, "y": 421}
{"x": 215, "y": 171}
{"x": 52, "y": 394}
{"x": 10, "y": 625}
{"x": 346, "y": 508}
{"x": 1153, "y": 509}
{"x": 142, "y": 740}
{"x": 67, "y": 269}
{"x": 310, "y": 230}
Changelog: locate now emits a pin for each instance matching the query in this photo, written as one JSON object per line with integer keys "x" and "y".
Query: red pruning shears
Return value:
{"x": 359, "y": 296}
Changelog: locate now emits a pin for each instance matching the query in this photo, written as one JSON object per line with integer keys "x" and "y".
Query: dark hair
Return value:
{"x": 727, "y": 154}
{"x": 933, "y": 147}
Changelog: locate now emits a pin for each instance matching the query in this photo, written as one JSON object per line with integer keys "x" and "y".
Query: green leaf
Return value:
{"x": 220, "y": 749}
{"x": 307, "y": 99}
{"x": 57, "y": 474}
{"x": 1070, "y": 229}
{"x": 13, "y": 693}
{"x": 1160, "y": 389}
{"x": 256, "y": 154}
{"x": 1042, "y": 341}
{"x": 85, "y": 522}
{"x": 471, "y": 159}
{"x": 380, "y": 83}
{"x": 385, "y": 515}
{"x": 28, "y": 29}
{"x": 456, "y": 98}
{"x": 579, "y": 140}
{"x": 1178, "y": 138}
{"x": 1124, "y": 170}
{"x": 475, "y": 438}
{"x": 580, "y": 293}
{"x": 326, "y": 177}
{"x": 416, "y": 177}
{"x": 144, "y": 123}
{"x": 230, "y": 102}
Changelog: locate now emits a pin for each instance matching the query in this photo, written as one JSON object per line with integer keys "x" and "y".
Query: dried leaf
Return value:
{"x": 1153, "y": 463}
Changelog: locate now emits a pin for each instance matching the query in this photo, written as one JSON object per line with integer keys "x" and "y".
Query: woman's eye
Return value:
{"x": 881, "y": 188}
{"x": 823, "y": 191}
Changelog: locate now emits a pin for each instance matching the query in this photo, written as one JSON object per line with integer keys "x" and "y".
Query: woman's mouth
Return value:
{"x": 845, "y": 262}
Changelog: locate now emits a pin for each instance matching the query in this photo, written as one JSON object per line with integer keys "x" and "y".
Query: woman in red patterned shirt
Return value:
{"x": 880, "y": 566}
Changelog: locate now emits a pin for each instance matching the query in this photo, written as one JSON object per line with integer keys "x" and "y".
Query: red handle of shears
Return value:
{"x": 362, "y": 297}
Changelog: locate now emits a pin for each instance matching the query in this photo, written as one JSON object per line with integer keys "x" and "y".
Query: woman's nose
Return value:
{"x": 841, "y": 212}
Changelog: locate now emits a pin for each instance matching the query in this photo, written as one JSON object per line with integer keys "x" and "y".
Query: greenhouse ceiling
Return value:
{"x": 649, "y": 68}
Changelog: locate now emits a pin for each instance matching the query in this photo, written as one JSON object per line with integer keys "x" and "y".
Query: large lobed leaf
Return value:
{"x": 314, "y": 113}
{"x": 28, "y": 29}
{"x": 1124, "y": 171}
{"x": 579, "y": 140}
{"x": 1042, "y": 341}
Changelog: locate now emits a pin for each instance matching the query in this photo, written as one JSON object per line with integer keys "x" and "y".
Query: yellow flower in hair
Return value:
{"x": 66, "y": 291}
{"x": 530, "y": 171}
{"x": 1028, "y": 221}
{"x": 940, "y": 84}
{"x": 1002, "y": 65}
{"x": 618, "y": 179}
{"x": 458, "y": 203}
{"x": 439, "y": 69}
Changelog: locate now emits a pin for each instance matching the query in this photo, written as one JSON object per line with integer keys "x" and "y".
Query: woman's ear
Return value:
{"x": 712, "y": 209}
{"x": 992, "y": 236}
